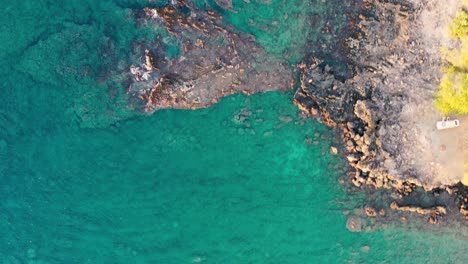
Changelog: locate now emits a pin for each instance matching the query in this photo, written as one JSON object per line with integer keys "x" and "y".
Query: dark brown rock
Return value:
{"x": 206, "y": 69}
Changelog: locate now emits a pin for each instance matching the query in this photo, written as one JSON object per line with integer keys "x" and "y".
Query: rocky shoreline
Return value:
{"x": 389, "y": 60}
{"x": 390, "y": 66}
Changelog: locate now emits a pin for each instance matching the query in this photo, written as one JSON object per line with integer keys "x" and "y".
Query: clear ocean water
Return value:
{"x": 86, "y": 179}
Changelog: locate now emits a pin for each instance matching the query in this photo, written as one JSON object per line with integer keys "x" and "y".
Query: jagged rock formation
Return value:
{"x": 395, "y": 72}
{"x": 215, "y": 60}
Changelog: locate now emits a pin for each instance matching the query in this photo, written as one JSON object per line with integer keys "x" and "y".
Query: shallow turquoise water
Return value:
{"x": 85, "y": 179}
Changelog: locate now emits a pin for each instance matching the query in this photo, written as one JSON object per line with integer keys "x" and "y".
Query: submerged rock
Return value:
{"x": 225, "y": 4}
{"x": 435, "y": 213}
{"x": 439, "y": 210}
{"x": 355, "y": 223}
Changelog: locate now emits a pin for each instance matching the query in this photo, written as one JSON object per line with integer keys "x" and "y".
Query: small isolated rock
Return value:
{"x": 341, "y": 180}
{"x": 285, "y": 119}
{"x": 333, "y": 150}
{"x": 197, "y": 259}
{"x": 365, "y": 248}
{"x": 245, "y": 112}
{"x": 354, "y": 224}
{"x": 224, "y": 4}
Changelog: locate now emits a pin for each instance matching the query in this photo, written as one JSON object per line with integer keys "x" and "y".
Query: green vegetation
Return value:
{"x": 459, "y": 27}
{"x": 453, "y": 93}
{"x": 465, "y": 176}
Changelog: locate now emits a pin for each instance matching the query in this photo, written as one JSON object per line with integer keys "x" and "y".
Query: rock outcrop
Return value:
{"x": 214, "y": 60}
{"x": 395, "y": 71}
{"x": 435, "y": 213}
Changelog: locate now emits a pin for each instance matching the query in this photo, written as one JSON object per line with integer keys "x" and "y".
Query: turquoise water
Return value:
{"x": 86, "y": 179}
{"x": 283, "y": 27}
